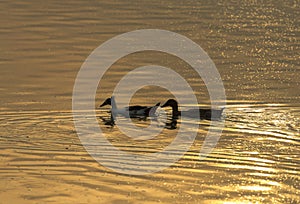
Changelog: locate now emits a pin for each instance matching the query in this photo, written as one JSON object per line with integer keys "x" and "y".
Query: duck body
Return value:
{"x": 135, "y": 111}
{"x": 205, "y": 114}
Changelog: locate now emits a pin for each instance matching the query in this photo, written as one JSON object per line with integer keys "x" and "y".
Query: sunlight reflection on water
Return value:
{"x": 254, "y": 46}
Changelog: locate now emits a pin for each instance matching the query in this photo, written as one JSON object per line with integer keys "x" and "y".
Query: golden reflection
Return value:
{"x": 256, "y": 188}
{"x": 254, "y": 46}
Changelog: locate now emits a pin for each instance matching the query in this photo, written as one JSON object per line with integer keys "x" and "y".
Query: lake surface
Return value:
{"x": 255, "y": 47}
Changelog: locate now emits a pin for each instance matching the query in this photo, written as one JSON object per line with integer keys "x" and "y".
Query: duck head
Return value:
{"x": 174, "y": 105}
{"x": 171, "y": 103}
{"x": 106, "y": 102}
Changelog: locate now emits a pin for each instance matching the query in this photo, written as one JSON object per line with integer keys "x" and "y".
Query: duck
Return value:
{"x": 205, "y": 114}
{"x": 135, "y": 111}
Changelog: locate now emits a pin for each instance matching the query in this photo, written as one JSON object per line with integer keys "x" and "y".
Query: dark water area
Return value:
{"x": 255, "y": 47}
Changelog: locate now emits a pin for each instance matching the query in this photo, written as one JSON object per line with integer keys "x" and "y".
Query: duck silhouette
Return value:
{"x": 135, "y": 111}
{"x": 207, "y": 114}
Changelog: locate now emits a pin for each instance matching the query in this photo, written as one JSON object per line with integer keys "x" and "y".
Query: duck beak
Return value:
{"x": 165, "y": 105}
{"x": 103, "y": 104}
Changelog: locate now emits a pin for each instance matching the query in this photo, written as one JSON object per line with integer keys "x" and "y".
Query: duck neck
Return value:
{"x": 175, "y": 111}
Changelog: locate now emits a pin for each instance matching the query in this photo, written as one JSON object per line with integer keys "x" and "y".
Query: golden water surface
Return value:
{"x": 255, "y": 46}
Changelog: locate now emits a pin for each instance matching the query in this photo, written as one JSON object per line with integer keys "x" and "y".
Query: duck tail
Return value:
{"x": 152, "y": 110}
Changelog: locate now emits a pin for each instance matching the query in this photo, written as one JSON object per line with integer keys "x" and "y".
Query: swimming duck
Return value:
{"x": 204, "y": 113}
{"x": 136, "y": 111}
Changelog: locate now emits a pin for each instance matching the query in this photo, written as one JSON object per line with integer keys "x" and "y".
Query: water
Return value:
{"x": 255, "y": 48}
